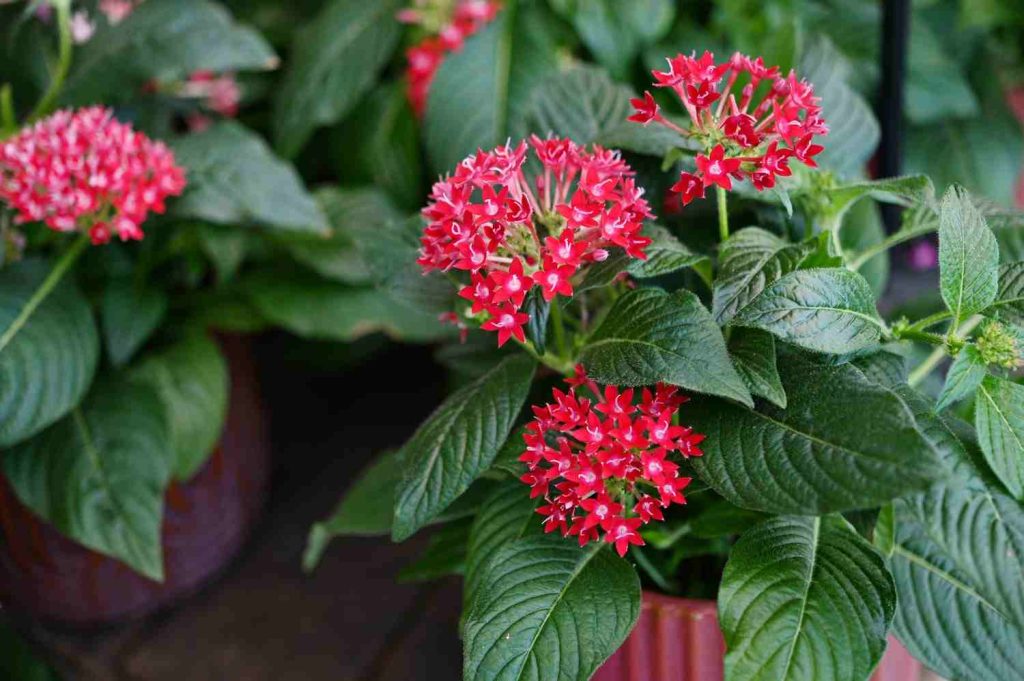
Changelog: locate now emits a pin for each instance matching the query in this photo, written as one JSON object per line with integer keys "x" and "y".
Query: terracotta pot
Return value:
{"x": 48, "y": 577}
{"x": 678, "y": 639}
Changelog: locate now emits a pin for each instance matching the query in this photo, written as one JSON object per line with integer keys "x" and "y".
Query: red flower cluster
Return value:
{"x": 85, "y": 170}
{"x": 511, "y": 234}
{"x": 607, "y": 460}
{"x": 424, "y": 58}
{"x": 774, "y": 120}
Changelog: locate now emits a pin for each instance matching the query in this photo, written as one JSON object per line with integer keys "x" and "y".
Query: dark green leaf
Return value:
{"x": 191, "y": 378}
{"x": 507, "y": 59}
{"x": 18, "y": 662}
{"x": 546, "y": 606}
{"x": 968, "y": 256}
{"x": 825, "y": 310}
{"x": 458, "y": 442}
{"x": 936, "y": 86}
{"x": 853, "y": 130}
{"x": 753, "y": 354}
{"x": 665, "y": 254}
{"x": 445, "y": 554}
{"x": 349, "y": 213}
{"x": 317, "y": 308}
{"x": 818, "y": 455}
{"x": 46, "y": 363}
{"x": 537, "y": 327}
{"x": 334, "y": 60}
{"x": 804, "y": 598}
{"x": 99, "y": 474}
{"x": 960, "y": 581}
{"x": 999, "y": 420}
{"x": 507, "y": 515}
{"x": 378, "y": 145}
{"x": 163, "y": 40}
{"x": 963, "y": 377}
{"x": 226, "y": 248}
{"x": 615, "y": 31}
{"x": 582, "y": 104}
{"x": 130, "y": 313}
{"x": 1009, "y": 303}
{"x": 234, "y": 178}
{"x": 650, "y": 336}
{"x": 906, "y": 190}
{"x": 751, "y": 259}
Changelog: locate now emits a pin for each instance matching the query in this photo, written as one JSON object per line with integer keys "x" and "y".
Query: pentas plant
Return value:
{"x": 751, "y": 120}
{"x": 602, "y": 463}
{"x": 511, "y": 232}
{"x": 85, "y": 171}
{"x": 448, "y": 27}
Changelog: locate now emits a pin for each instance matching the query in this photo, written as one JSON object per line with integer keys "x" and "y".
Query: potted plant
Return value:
{"x": 728, "y": 419}
{"x": 134, "y": 456}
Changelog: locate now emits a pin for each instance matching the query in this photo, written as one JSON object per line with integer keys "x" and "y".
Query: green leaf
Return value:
{"x": 226, "y": 248}
{"x": 46, "y": 364}
{"x": 963, "y": 377}
{"x": 546, "y": 606}
{"x": 825, "y": 310}
{"x": 348, "y": 211}
{"x": 615, "y": 31}
{"x": 18, "y": 661}
{"x": 665, "y": 254}
{"x": 537, "y": 326}
{"x": 582, "y": 104}
{"x": 320, "y": 309}
{"x": 905, "y": 190}
{"x": 936, "y": 86}
{"x": 751, "y": 260}
{"x": 885, "y": 530}
{"x": 753, "y": 354}
{"x": 960, "y": 580}
{"x": 378, "y": 144}
{"x": 506, "y": 516}
{"x": 650, "y": 336}
{"x": 130, "y": 314}
{"x": 98, "y": 475}
{"x": 334, "y": 60}
{"x": 862, "y": 229}
{"x": 234, "y": 178}
{"x": 818, "y": 455}
{"x": 506, "y": 60}
{"x": 191, "y": 378}
{"x": 651, "y": 139}
{"x": 445, "y": 554}
{"x": 1009, "y": 302}
{"x": 164, "y": 40}
{"x": 804, "y": 598}
{"x": 968, "y": 256}
{"x": 458, "y": 442}
{"x": 999, "y": 420}
{"x": 853, "y": 130}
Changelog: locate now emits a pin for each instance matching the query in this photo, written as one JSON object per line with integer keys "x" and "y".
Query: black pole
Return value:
{"x": 895, "y": 36}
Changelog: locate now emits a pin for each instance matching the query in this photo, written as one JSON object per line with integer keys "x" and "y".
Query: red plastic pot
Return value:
{"x": 48, "y": 577}
{"x": 678, "y": 639}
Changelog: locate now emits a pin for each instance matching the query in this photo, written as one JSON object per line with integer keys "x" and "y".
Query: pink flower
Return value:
{"x": 220, "y": 93}
{"x": 455, "y": 25}
{"x": 117, "y": 11}
{"x": 764, "y": 126}
{"x": 611, "y": 471}
{"x": 86, "y": 171}
{"x": 512, "y": 232}
{"x": 81, "y": 27}
{"x": 508, "y": 323}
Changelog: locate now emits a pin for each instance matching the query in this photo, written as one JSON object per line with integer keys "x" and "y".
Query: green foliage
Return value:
{"x": 968, "y": 256}
{"x": 785, "y": 612}
{"x": 999, "y": 419}
{"x": 130, "y": 313}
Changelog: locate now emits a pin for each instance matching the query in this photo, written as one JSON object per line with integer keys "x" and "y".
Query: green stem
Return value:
{"x": 45, "y": 104}
{"x": 52, "y": 279}
{"x": 922, "y": 370}
{"x": 884, "y": 245}
{"x": 8, "y": 122}
{"x": 911, "y": 333}
{"x": 931, "y": 320}
{"x": 723, "y": 214}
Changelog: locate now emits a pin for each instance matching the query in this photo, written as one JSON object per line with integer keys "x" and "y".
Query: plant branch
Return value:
{"x": 52, "y": 279}
{"x": 922, "y": 370}
{"x": 45, "y": 104}
{"x": 723, "y": 214}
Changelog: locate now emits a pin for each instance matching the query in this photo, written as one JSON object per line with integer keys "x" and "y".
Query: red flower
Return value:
{"x": 508, "y": 323}
{"x": 622, "y": 532}
{"x": 690, "y": 186}
{"x": 763, "y": 126}
{"x": 608, "y": 474}
{"x": 716, "y": 169}
{"x": 647, "y": 109}
{"x": 71, "y": 168}
{"x": 511, "y": 232}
